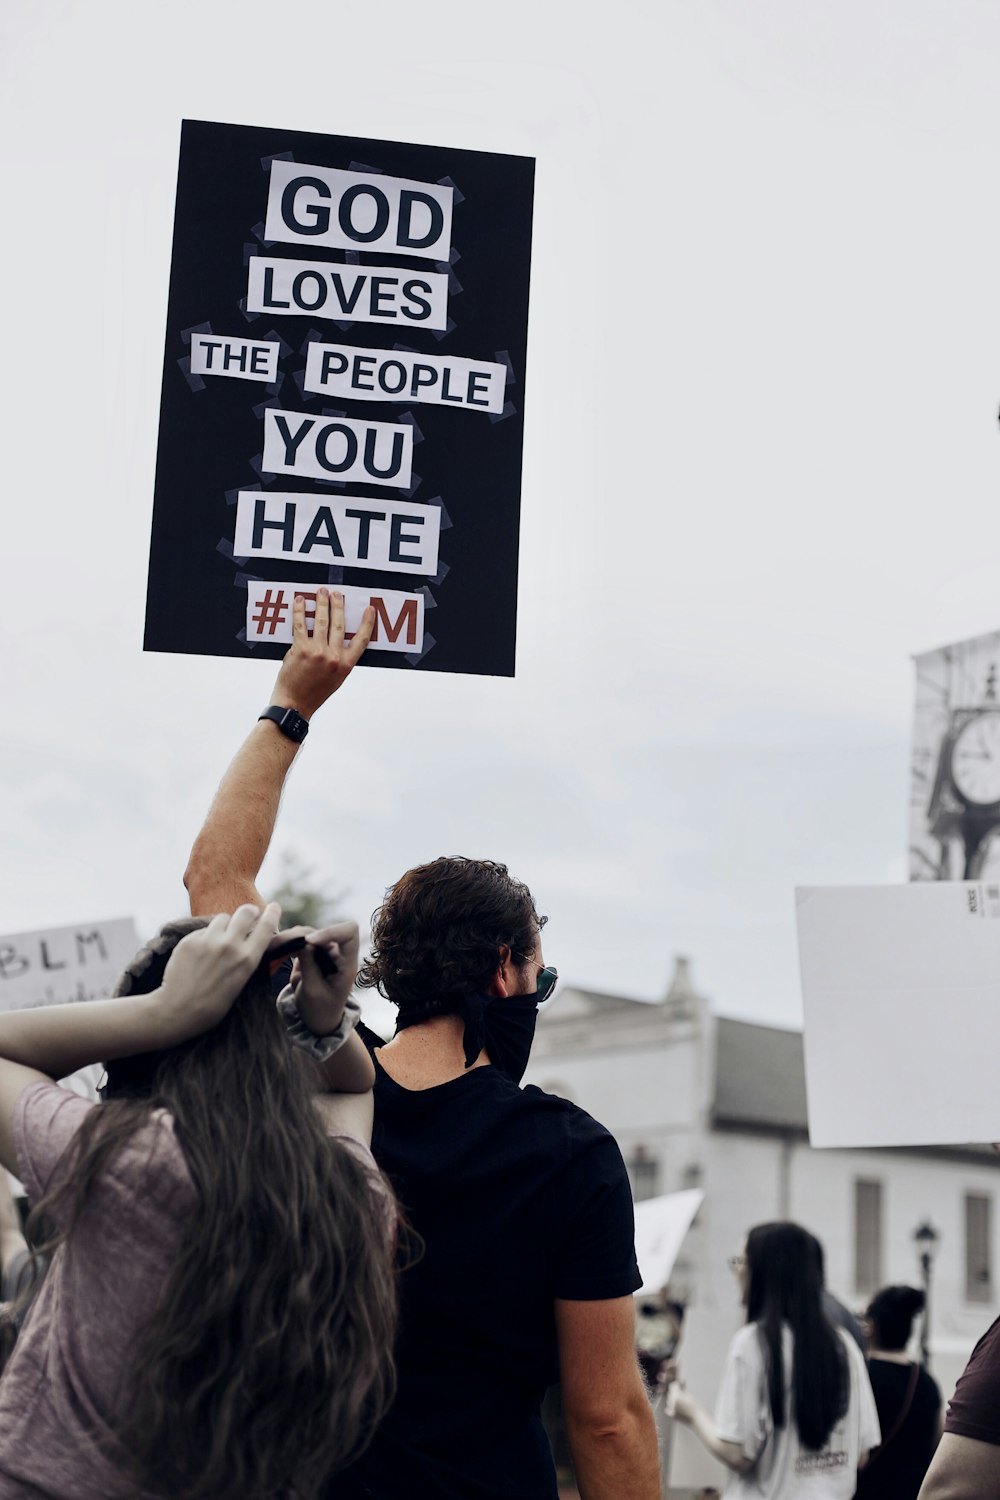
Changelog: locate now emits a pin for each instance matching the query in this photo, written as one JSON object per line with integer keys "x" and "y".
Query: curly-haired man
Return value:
{"x": 520, "y": 1199}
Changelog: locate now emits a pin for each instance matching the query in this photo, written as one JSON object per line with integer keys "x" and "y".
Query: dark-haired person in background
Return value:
{"x": 966, "y": 1465}
{"x": 908, "y": 1400}
{"x": 795, "y": 1417}
{"x": 521, "y": 1199}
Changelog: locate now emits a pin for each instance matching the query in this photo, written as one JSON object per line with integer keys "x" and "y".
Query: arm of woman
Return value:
{"x": 204, "y": 975}
{"x": 321, "y": 1000}
{"x": 686, "y": 1409}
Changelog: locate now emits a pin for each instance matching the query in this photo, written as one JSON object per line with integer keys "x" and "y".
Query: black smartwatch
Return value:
{"x": 288, "y": 721}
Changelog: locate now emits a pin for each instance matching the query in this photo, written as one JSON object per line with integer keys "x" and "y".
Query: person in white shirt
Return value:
{"x": 795, "y": 1417}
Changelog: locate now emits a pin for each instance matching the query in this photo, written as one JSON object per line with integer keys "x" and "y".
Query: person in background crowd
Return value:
{"x": 795, "y": 1417}
{"x": 966, "y": 1463}
{"x": 840, "y": 1315}
{"x": 659, "y": 1324}
{"x": 908, "y": 1400}
{"x": 217, "y": 1319}
{"x": 521, "y": 1200}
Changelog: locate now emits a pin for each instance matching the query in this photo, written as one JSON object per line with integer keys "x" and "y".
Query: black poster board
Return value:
{"x": 343, "y": 396}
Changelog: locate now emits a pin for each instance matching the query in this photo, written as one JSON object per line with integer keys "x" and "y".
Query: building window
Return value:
{"x": 644, "y": 1174}
{"x": 867, "y": 1234}
{"x": 978, "y": 1248}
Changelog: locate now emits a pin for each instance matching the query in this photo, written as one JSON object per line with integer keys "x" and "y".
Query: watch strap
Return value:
{"x": 289, "y": 721}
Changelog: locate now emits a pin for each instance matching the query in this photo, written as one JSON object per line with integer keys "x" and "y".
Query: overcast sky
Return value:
{"x": 761, "y": 458}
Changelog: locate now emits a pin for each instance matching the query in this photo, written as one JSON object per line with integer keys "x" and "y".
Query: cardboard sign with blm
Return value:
{"x": 343, "y": 396}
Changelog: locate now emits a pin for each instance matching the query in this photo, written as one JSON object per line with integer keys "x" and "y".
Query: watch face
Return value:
{"x": 294, "y": 725}
{"x": 975, "y": 760}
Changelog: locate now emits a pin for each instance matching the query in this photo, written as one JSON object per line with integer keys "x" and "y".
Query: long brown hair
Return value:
{"x": 267, "y": 1362}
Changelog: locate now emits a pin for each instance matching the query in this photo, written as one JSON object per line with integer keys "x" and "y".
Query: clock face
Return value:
{"x": 975, "y": 760}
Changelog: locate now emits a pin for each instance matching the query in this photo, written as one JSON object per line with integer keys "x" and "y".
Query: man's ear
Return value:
{"x": 499, "y": 985}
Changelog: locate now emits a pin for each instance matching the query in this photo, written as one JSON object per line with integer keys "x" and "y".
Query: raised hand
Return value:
{"x": 318, "y": 664}
{"x": 321, "y": 997}
{"x": 208, "y": 969}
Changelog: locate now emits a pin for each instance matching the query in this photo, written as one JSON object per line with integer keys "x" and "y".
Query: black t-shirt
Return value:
{"x": 896, "y": 1470}
{"x": 974, "y": 1409}
{"x": 520, "y": 1198}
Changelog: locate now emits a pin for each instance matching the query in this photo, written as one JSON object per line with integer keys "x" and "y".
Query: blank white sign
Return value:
{"x": 901, "y": 995}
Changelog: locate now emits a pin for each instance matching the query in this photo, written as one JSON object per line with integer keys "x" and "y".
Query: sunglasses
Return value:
{"x": 545, "y": 984}
{"x": 547, "y": 978}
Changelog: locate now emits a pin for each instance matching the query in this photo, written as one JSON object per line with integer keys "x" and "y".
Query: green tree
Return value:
{"x": 303, "y": 903}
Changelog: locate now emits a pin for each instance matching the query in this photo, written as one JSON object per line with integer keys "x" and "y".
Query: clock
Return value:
{"x": 975, "y": 761}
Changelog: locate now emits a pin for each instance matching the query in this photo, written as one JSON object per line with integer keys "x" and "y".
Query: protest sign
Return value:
{"x": 901, "y": 996}
{"x": 62, "y": 965}
{"x": 56, "y": 965}
{"x": 955, "y": 767}
{"x": 660, "y": 1227}
{"x": 343, "y": 396}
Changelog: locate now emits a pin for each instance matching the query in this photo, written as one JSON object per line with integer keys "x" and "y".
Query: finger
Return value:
{"x": 244, "y": 920}
{"x": 343, "y": 936}
{"x": 261, "y": 933}
{"x": 362, "y": 637}
{"x": 320, "y": 959}
{"x": 344, "y": 954}
{"x": 336, "y": 618}
{"x": 287, "y": 933}
{"x": 299, "y": 632}
{"x": 219, "y": 924}
{"x": 336, "y": 932}
{"x": 321, "y": 624}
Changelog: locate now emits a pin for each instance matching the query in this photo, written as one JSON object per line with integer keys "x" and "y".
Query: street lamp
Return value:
{"x": 926, "y": 1239}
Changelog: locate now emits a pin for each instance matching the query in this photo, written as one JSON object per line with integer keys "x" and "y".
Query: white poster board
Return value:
{"x": 61, "y": 966}
{"x": 660, "y": 1227}
{"x": 901, "y": 995}
{"x": 55, "y": 965}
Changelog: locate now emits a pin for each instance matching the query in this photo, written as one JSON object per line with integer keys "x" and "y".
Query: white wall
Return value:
{"x": 628, "y": 1088}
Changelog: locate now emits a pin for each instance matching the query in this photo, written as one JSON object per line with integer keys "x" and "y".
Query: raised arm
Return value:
{"x": 230, "y": 848}
{"x": 320, "y": 1000}
{"x": 204, "y": 974}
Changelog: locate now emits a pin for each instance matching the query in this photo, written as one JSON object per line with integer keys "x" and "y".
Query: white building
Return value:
{"x": 696, "y": 1099}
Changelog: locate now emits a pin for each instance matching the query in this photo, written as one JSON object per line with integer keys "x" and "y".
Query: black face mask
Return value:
{"x": 505, "y": 1026}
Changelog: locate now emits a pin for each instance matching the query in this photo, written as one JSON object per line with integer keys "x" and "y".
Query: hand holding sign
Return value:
{"x": 319, "y": 663}
{"x": 343, "y": 396}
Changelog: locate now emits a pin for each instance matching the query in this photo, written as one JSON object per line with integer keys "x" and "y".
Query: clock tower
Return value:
{"x": 964, "y": 808}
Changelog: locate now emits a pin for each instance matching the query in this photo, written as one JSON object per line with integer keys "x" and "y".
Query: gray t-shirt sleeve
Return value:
{"x": 146, "y": 1176}
{"x": 46, "y": 1119}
